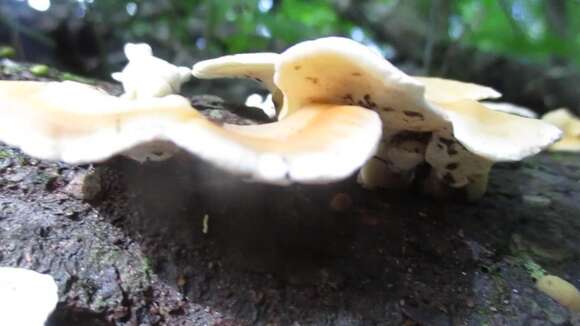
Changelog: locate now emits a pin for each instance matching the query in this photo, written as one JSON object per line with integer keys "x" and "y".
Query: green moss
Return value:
{"x": 147, "y": 267}
{"x": 7, "y": 52}
{"x": 535, "y": 270}
{"x": 73, "y": 77}
{"x": 39, "y": 70}
{"x": 42, "y": 178}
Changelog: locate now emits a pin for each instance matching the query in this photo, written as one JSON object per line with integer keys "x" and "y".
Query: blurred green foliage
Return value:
{"x": 535, "y": 29}
{"x": 532, "y": 28}
{"x": 226, "y": 26}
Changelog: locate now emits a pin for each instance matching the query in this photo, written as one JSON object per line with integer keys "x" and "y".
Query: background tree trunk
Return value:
{"x": 540, "y": 87}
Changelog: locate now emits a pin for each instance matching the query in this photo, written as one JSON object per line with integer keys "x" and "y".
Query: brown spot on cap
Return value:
{"x": 413, "y": 114}
{"x": 314, "y": 80}
{"x": 446, "y": 141}
{"x": 348, "y": 98}
{"x": 452, "y": 166}
{"x": 448, "y": 177}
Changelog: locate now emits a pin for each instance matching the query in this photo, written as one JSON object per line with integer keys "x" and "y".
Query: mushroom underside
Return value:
{"x": 434, "y": 162}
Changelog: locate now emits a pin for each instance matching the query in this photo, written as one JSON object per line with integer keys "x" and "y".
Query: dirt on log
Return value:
{"x": 181, "y": 243}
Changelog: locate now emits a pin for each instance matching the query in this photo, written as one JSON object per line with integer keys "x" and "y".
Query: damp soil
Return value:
{"x": 181, "y": 243}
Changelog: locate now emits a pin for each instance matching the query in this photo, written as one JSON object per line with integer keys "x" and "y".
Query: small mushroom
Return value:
{"x": 560, "y": 290}
{"x": 77, "y": 123}
{"x": 430, "y": 120}
{"x": 148, "y": 76}
{"x": 570, "y": 125}
{"x": 26, "y": 297}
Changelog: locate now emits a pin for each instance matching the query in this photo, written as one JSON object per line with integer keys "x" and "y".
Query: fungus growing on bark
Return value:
{"x": 336, "y": 98}
{"x": 570, "y": 125}
{"x": 77, "y": 123}
{"x": 430, "y": 120}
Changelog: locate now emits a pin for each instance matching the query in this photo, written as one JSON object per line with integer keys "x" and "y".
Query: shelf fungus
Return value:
{"x": 430, "y": 123}
{"x": 570, "y": 125}
{"x": 78, "y": 123}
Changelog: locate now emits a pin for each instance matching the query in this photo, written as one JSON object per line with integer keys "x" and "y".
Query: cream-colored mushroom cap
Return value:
{"x": 463, "y": 155}
{"x": 560, "y": 290}
{"x": 447, "y": 90}
{"x": 563, "y": 119}
{"x": 337, "y": 70}
{"x": 570, "y": 125}
{"x": 498, "y": 136}
{"x": 77, "y": 123}
{"x": 256, "y": 66}
{"x": 26, "y": 297}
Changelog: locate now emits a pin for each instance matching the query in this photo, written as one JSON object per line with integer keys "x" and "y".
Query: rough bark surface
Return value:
{"x": 181, "y": 243}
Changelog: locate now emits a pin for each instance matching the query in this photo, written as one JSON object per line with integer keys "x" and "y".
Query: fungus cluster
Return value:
{"x": 340, "y": 107}
{"x": 425, "y": 121}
